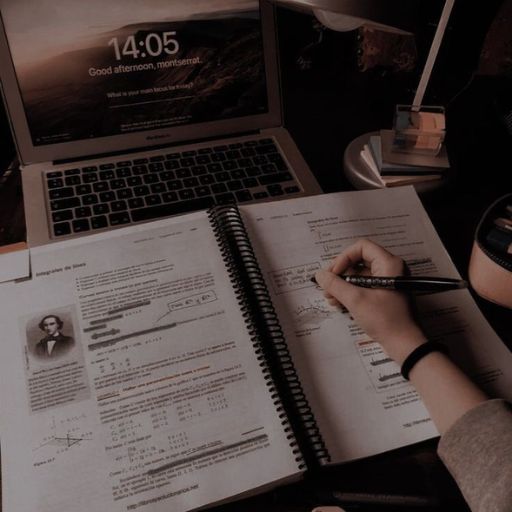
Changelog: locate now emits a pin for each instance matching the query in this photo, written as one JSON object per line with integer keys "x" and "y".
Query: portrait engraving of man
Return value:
{"x": 54, "y": 344}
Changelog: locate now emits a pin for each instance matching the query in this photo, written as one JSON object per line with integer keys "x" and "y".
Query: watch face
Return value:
{"x": 108, "y": 67}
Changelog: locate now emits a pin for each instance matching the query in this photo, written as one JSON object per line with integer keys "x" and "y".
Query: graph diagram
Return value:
{"x": 64, "y": 434}
{"x": 312, "y": 313}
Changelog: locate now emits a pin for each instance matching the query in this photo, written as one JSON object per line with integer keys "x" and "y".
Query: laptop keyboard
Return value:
{"x": 113, "y": 194}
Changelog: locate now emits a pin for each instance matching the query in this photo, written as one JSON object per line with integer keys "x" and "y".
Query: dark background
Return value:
{"x": 333, "y": 102}
{"x": 326, "y": 107}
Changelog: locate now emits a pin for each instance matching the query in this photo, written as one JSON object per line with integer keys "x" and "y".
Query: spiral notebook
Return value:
{"x": 192, "y": 361}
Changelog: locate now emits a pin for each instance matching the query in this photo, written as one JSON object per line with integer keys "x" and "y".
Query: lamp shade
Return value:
{"x": 343, "y": 15}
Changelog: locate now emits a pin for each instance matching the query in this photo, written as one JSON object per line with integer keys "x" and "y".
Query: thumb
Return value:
{"x": 337, "y": 287}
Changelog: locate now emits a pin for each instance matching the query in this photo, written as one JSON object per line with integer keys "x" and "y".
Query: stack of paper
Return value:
{"x": 392, "y": 169}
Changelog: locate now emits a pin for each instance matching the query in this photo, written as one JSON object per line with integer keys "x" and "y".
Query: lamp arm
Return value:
{"x": 432, "y": 56}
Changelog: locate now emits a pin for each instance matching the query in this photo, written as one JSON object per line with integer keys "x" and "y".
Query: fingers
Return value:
{"x": 372, "y": 255}
{"x": 336, "y": 290}
{"x": 365, "y": 257}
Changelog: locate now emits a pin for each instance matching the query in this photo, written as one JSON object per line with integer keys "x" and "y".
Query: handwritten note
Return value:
{"x": 193, "y": 300}
{"x": 293, "y": 278}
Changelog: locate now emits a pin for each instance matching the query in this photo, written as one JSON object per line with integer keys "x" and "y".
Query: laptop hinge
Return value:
{"x": 155, "y": 148}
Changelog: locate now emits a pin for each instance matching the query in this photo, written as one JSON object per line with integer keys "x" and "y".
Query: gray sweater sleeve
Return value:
{"x": 477, "y": 450}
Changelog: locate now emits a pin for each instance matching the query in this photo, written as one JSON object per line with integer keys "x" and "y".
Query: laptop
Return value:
{"x": 126, "y": 112}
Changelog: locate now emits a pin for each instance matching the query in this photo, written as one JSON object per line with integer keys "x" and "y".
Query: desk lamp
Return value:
{"x": 345, "y": 15}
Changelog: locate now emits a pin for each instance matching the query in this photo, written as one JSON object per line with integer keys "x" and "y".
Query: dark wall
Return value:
{"x": 6, "y": 144}
{"x": 333, "y": 102}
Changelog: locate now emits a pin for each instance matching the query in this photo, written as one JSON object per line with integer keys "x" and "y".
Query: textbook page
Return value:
{"x": 150, "y": 396}
{"x": 362, "y": 404}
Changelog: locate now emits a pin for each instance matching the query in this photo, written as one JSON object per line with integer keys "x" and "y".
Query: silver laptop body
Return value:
{"x": 92, "y": 85}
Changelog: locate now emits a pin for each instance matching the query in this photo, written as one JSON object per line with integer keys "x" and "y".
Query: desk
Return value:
{"x": 324, "y": 113}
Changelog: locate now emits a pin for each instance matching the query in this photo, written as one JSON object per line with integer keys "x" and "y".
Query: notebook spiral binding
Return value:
{"x": 268, "y": 338}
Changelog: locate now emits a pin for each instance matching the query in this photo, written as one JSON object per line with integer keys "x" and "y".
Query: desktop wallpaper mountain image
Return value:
{"x": 63, "y": 102}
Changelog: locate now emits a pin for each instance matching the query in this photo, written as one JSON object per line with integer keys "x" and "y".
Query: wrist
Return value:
{"x": 420, "y": 354}
{"x": 403, "y": 344}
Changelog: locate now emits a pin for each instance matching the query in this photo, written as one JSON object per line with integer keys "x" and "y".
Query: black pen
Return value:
{"x": 406, "y": 283}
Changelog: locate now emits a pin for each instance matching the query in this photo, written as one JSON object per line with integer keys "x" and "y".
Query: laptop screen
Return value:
{"x": 99, "y": 68}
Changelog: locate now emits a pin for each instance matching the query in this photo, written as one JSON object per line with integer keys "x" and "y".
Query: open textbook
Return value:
{"x": 172, "y": 365}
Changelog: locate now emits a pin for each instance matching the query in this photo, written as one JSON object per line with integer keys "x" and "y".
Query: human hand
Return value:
{"x": 385, "y": 315}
